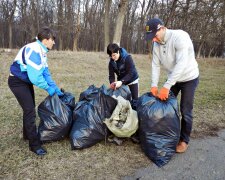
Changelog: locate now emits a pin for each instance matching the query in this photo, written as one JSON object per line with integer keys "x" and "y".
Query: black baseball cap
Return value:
{"x": 152, "y": 26}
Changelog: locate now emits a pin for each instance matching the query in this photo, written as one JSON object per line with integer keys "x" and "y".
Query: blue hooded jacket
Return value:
{"x": 30, "y": 65}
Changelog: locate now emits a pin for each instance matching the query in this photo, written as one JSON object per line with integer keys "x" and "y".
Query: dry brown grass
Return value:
{"x": 75, "y": 71}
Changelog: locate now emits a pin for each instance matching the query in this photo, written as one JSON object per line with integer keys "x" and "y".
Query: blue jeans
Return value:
{"x": 186, "y": 105}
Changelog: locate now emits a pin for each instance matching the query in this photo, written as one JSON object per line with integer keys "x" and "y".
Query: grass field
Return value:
{"x": 75, "y": 72}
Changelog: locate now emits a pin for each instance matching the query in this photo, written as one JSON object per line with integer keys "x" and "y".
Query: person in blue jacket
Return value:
{"x": 121, "y": 64}
{"x": 30, "y": 68}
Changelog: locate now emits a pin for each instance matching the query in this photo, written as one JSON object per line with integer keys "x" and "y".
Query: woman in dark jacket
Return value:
{"x": 121, "y": 64}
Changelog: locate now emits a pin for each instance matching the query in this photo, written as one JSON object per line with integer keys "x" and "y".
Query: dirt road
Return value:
{"x": 204, "y": 160}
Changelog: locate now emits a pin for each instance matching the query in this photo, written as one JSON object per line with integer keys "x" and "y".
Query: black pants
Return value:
{"x": 134, "y": 91}
{"x": 186, "y": 106}
{"x": 24, "y": 93}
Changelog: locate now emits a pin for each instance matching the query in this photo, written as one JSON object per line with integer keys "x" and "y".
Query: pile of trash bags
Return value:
{"x": 93, "y": 107}
{"x": 101, "y": 112}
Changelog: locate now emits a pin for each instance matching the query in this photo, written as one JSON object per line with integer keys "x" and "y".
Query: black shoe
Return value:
{"x": 39, "y": 151}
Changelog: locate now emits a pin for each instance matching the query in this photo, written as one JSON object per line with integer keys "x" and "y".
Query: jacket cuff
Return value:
{"x": 167, "y": 86}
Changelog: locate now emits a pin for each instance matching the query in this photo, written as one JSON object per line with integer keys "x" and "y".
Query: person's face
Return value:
{"x": 49, "y": 43}
{"x": 115, "y": 56}
{"x": 159, "y": 36}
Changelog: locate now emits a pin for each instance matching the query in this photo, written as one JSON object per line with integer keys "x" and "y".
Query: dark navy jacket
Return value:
{"x": 124, "y": 68}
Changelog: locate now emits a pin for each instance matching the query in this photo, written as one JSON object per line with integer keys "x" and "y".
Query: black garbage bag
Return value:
{"x": 133, "y": 103}
{"x": 123, "y": 91}
{"x": 68, "y": 99}
{"x": 55, "y": 117}
{"x": 88, "y": 127}
{"x": 159, "y": 128}
{"x": 90, "y": 93}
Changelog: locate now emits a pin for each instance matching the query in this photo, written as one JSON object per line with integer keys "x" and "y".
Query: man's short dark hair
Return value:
{"x": 46, "y": 33}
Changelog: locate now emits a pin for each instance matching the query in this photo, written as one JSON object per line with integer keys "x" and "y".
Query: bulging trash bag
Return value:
{"x": 159, "y": 127}
{"x": 123, "y": 121}
{"x": 123, "y": 91}
{"x": 55, "y": 118}
{"x": 68, "y": 99}
{"x": 90, "y": 93}
{"x": 88, "y": 127}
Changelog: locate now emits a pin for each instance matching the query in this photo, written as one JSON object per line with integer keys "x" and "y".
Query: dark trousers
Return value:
{"x": 24, "y": 93}
{"x": 186, "y": 106}
{"x": 134, "y": 91}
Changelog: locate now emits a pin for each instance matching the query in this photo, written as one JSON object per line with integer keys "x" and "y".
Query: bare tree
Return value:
{"x": 77, "y": 28}
{"x": 145, "y": 8}
{"x": 33, "y": 15}
{"x": 119, "y": 22}
{"x": 60, "y": 23}
{"x": 68, "y": 24}
{"x": 8, "y": 8}
{"x": 172, "y": 11}
{"x": 106, "y": 23}
{"x": 80, "y": 23}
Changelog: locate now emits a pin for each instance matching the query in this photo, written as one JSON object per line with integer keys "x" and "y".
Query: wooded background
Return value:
{"x": 90, "y": 25}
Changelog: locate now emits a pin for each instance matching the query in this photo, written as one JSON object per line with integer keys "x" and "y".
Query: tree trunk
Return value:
{"x": 10, "y": 23}
{"x": 119, "y": 22}
{"x": 77, "y": 33}
{"x": 33, "y": 24}
{"x": 172, "y": 11}
{"x": 106, "y": 24}
{"x": 60, "y": 24}
{"x": 10, "y": 36}
{"x": 199, "y": 50}
{"x": 210, "y": 52}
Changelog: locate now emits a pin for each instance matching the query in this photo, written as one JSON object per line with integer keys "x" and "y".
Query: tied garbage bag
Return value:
{"x": 123, "y": 91}
{"x": 159, "y": 127}
{"x": 68, "y": 99}
{"x": 124, "y": 121}
{"x": 90, "y": 93}
{"x": 55, "y": 117}
{"x": 88, "y": 127}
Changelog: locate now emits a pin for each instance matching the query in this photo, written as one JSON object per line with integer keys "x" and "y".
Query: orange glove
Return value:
{"x": 113, "y": 85}
{"x": 163, "y": 93}
{"x": 154, "y": 91}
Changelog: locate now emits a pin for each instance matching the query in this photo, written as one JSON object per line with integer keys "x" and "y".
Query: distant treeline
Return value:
{"x": 91, "y": 24}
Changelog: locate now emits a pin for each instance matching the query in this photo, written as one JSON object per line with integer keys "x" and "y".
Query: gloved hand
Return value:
{"x": 118, "y": 84}
{"x": 113, "y": 85}
{"x": 51, "y": 91}
{"x": 154, "y": 91}
{"x": 58, "y": 91}
{"x": 163, "y": 93}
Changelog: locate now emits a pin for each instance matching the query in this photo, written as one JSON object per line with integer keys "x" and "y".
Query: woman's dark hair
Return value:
{"x": 112, "y": 48}
{"x": 45, "y": 33}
